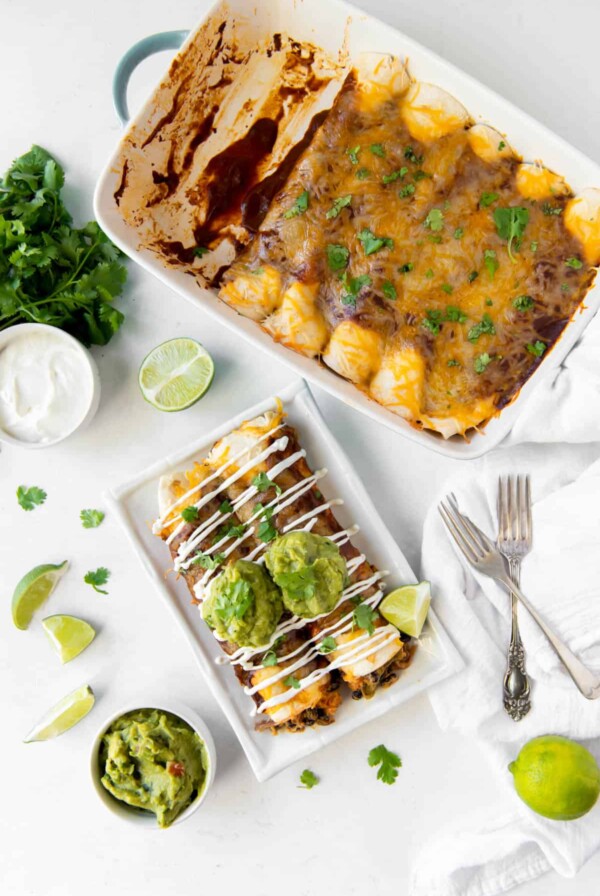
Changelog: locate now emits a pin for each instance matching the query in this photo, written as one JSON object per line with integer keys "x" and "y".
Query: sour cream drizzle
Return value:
{"x": 355, "y": 650}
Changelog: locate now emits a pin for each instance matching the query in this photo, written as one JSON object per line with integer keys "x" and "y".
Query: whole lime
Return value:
{"x": 556, "y": 777}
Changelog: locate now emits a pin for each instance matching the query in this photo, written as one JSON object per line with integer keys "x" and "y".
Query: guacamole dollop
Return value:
{"x": 155, "y": 761}
{"x": 310, "y": 571}
{"x": 243, "y": 605}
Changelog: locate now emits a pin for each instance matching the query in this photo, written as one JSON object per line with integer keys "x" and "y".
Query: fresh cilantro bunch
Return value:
{"x": 50, "y": 272}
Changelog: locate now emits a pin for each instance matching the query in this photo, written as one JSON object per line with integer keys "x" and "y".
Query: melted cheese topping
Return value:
{"x": 426, "y": 263}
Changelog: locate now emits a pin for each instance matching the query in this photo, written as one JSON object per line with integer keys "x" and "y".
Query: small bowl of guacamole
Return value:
{"x": 153, "y": 765}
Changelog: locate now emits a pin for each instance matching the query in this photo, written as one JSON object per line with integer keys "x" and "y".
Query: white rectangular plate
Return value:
{"x": 436, "y": 658}
{"x": 331, "y": 24}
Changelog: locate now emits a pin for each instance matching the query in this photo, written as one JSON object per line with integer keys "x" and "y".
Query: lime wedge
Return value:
{"x": 67, "y": 712}
{"x": 68, "y": 635}
{"x": 407, "y": 607}
{"x": 176, "y": 374}
{"x": 34, "y": 588}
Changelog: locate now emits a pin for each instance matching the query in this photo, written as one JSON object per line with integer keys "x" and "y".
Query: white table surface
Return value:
{"x": 351, "y": 835}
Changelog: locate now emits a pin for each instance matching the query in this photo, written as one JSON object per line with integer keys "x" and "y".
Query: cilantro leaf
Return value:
{"x": 410, "y": 154}
{"x": 523, "y": 303}
{"x": 406, "y": 268}
{"x": 454, "y": 313}
{"x": 408, "y": 190}
{"x": 226, "y": 507}
{"x": 434, "y": 220}
{"x": 372, "y": 243}
{"x": 299, "y": 206}
{"x": 448, "y": 289}
{"x": 298, "y": 584}
{"x": 363, "y": 617}
{"x": 473, "y": 276}
{"x": 308, "y": 779}
{"x": 388, "y": 763}
{"x": 327, "y": 645}
{"x": 395, "y": 175}
{"x": 488, "y": 199}
{"x": 29, "y": 498}
{"x": 337, "y": 257}
{"x": 377, "y": 150}
{"x": 291, "y": 682}
{"x": 233, "y": 600}
{"x": 208, "y": 561}
{"x": 338, "y": 205}
{"x": 481, "y": 362}
{"x": 491, "y": 262}
{"x": 362, "y": 173}
{"x": 550, "y": 210}
{"x": 510, "y": 225}
{"x": 91, "y": 519}
{"x": 389, "y": 290}
{"x": 574, "y": 263}
{"x": 459, "y": 233}
{"x": 433, "y": 321}
{"x": 353, "y": 153}
{"x": 199, "y": 251}
{"x": 486, "y": 326}
{"x": 190, "y": 514}
{"x": 97, "y": 577}
{"x": 261, "y": 483}
{"x": 537, "y": 348}
{"x": 270, "y": 658}
{"x": 266, "y": 531}
{"x": 353, "y": 286}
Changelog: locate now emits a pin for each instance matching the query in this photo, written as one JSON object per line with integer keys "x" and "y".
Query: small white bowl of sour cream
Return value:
{"x": 49, "y": 385}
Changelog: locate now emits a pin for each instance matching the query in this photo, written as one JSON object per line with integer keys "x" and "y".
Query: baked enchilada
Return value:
{"x": 291, "y": 601}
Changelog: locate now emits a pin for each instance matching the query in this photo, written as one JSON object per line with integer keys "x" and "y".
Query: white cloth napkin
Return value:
{"x": 562, "y": 578}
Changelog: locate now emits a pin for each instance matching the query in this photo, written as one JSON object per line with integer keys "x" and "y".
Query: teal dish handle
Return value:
{"x": 148, "y": 46}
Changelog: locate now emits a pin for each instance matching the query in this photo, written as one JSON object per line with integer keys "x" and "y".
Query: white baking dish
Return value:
{"x": 436, "y": 658}
{"x": 331, "y": 25}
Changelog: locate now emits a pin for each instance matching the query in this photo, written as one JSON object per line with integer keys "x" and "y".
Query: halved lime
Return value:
{"x": 176, "y": 374}
{"x": 34, "y": 588}
{"x": 407, "y": 607}
{"x": 68, "y": 635}
{"x": 66, "y": 713}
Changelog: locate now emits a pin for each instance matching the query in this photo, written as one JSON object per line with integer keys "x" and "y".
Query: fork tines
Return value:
{"x": 514, "y": 509}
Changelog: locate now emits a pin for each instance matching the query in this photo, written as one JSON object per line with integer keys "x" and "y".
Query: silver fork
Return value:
{"x": 484, "y": 557}
{"x": 514, "y": 543}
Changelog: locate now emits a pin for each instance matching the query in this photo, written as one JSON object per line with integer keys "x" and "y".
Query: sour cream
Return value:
{"x": 47, "y": 384}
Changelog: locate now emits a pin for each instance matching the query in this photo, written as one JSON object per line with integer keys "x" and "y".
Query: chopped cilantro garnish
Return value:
{"x": 291, "y": 682}
{"x": 486, "y": 326}
{"x": 229, "y": 530}
{"x": 491, "y": 262}
{"x": 550, "y": 210}
{"x": 261, "y": 483}
{"x": 363, "y": 617}
{"x": 225, "y": 507}
{"x": 199, "y": 251}
{"x": 337, "y": 257}
{"x": 574, "y": 263}
{"x": 523, "y": 303}
{"x": 389, "y": 290}
{"x": 473, "y": 276}
{"x": 270, "y": 658}
{"x": 410, "y": 154}
{"x": 233, "y": 600}
{"x": 510, "y": 225}
{"x": 372, "y": 243}
{"x": 537, "y": 348}
{"x": 454, "y": 313}
{"x": 377, "y": 150}
{"x": 362, "y": 173}
{"x": 308, "y": 779}
{"x": 190, "y": 514}
{"x": 487, "y": 199}
{"x": 489, "y": 302}
{"x": 452, "y": 363}
{"x": 421, "y": 175}
{"x": 434, "y": 220}
{"x": 388, "y": 763}
{"x": 448, "y": 289}
{"x": 433, "y": 321}
{"x": 353, "y": 286}
{"x": 481, "y": 362}
{"x": 327, "y": 645}
{"x": 435, "y": 238}
{"x": 501, "y": 146}
{"x": 353, "y": 153}
{"x": 208, "y": 561}
{"x": 338, "y": 205}
{"x": 299, "y": 206}
{"x": 408, "y": 190}
{"x": 533, "y": 245}
{"x": 29, "y": 498}
{"x": 395, "y": 175}
{"x": 91, "y": 519}
{"x": 459, "y": 233}
{"x": 266, "y": 531}
{"x": 429, "y": 273}
{"x": 406, "y": 268}
{"x": 97, "y": 577}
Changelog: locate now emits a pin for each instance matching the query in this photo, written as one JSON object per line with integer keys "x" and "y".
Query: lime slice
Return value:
{"x": 68, "y": 635}
{"x": 34, "y": 588}
{"x": 67, "y": 712}
{"x": 407, "y": 607}
{"x": 176, "y": 374}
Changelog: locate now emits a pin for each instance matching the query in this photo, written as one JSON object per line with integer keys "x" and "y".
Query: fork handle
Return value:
{"x": 586, "y": 681}
{"x": 516, "y": 690}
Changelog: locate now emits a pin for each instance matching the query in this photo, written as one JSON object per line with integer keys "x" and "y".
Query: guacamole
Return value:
{"x": 310, "y": 571}
{"x": 243, "y": 605}
{"x": 153, "y": 760}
